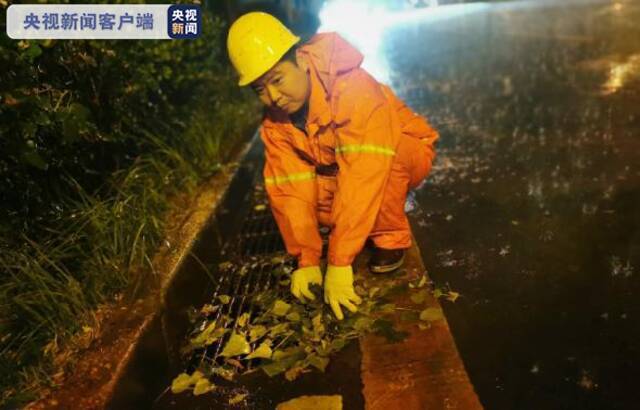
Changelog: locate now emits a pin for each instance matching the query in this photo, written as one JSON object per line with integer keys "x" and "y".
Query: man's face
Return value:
{"x": 284, "y": 87}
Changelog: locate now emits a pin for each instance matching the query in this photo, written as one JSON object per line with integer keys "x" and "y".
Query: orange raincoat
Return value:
{"x": 363, "y": 150}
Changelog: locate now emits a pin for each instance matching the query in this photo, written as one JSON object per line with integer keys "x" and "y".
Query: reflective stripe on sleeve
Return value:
{"x": 284, "y": 179}
{"x": 370, "y": 148}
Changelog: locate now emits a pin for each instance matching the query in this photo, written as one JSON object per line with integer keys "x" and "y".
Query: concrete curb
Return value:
{"x": 424, "y": 371}
{"x": 169, "y": 259}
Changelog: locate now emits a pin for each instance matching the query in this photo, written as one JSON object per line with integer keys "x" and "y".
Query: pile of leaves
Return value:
{"x": 284, "y": 336}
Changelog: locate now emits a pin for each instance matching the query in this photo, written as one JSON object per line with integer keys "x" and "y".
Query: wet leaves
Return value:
{"x": 223, "y": 266}
{"x": 236, "y": 346}
{"x": 420, "y": 296}
{"x": 431, "y": 314}
{"x": 237, "y": 398}
{"x": 294, "y": 372}
{"x": 446, "y": 293}
{"x": 387, "y": 308}
{"x": 452, "y": 296}
{"x": 256, "y": 332}
{"x": 181, "y": 383}
{"x": 208, "y": 336}
{"x": 283, "y": 360}
{"x": 312, "y": 402}
{"x": 262, "y": 352}
{"x": 293, "y": 317}
{"x": 318, "y": 362}
{"x": 197, "y": 380}
{"x": 243, "y": 319}
{"x": 420, "y": 283}
{"x": 280, "y": 308}
{"x": 278, "y": 330}
{"x": 281, "y": 336}
{"x": 202, "y": 386}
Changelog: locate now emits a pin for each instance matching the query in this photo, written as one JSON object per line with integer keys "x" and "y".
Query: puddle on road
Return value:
{"x": 532, "y": 210}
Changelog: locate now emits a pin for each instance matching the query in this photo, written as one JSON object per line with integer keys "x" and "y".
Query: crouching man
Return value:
{"x": 342, "y": 151}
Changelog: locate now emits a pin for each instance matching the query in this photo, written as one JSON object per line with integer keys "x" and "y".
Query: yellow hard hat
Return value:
{"x": 256, "y": 42}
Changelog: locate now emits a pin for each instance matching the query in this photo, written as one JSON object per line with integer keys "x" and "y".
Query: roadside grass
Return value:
{"x": 51, "y": 285}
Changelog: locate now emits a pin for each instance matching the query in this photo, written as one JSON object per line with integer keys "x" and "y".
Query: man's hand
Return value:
{"x": 302, "y": 278}
{"x": 338, "y": 290}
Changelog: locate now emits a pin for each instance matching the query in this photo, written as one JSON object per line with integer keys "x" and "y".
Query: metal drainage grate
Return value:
{"x": 257, "y": 261}
{"x": 259, "y": 234}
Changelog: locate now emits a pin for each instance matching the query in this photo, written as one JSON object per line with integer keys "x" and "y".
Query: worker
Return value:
{"x": 342, "y": 151}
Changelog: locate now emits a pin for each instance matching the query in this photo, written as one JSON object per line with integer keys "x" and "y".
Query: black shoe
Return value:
{"x": 386, "y": 260}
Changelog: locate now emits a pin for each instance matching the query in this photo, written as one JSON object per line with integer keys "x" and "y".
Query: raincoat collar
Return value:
{"x": 328, "y": 56}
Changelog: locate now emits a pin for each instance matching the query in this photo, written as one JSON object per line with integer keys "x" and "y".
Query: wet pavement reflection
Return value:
{"x": 532, "y": 210}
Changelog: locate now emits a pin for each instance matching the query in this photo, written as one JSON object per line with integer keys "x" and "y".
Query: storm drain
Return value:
{"x": 256, "y": 262}
{"x": 259, "y": 235}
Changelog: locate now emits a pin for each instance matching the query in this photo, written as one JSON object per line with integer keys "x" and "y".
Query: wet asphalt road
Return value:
{"x": 532, "y": 210}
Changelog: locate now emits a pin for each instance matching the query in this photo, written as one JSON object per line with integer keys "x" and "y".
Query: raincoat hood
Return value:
{"x": 330, "y": 55}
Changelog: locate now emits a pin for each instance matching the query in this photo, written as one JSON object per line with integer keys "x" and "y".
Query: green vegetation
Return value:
{"x": 96, "y": 137}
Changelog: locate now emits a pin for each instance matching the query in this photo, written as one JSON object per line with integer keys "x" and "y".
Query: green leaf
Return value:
{"x": 263, "y": 352}
{"x": 274, "y": 368}
{"x": 278, "y": 329}
{"x": 34, "y": 159}
{"x": 280, "y": 308}
{"x": 224, "y": 299}
{"x": 226, "y": 374}
{"x": 243, "y": 319}
{"x": 181, "y": 383}
{"x": 419, "y": 297}
{"x": 282, "y": 354}
{"x": 75, "y": 121}
{"x": 237, "y": 345}
{"x": 282, "y": 361}
{"x": 239, "y": 397}
{"x": 294, "y": 371}
{"x": 256, "y": 332}
{"x": 387, "y": 308}
{"x": 318, "y": 326}
{"x": 363, "y": 324}
{"x": 277, "y": 260}
{"x": 312, "y": 402}
{"x": 397, "y": 290}
{"x": 32, "y": 52}
{"x": 184, "y": 381}
{"x": 202, "y": 386}
{"x": 41, "y": 118}
{"x": 209, "y": 335}
{"x": 318, "y": 362}
{"x": 431, "y": 314}
{"x": 452, "y": 296}
{"x": 410, "y": 316}
{"x": 293, "y": 317}
{"x": 337, "y": 344}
